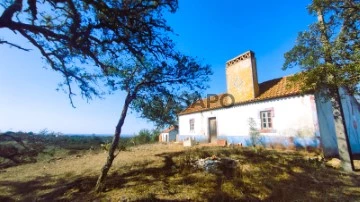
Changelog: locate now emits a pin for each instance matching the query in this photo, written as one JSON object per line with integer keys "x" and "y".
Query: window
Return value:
{"x": 192, "y": 124}
{"x": 266, "y": 120}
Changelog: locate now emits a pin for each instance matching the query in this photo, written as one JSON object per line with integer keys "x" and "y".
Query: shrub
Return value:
{"x": 146, "y": 136}
{"x": 255, "y": 136}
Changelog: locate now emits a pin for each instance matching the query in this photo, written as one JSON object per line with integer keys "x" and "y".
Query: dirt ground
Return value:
{"x": 165, "y": 172}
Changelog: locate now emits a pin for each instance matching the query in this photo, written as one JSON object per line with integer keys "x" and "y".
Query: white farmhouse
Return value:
{"x": 282, "y": 114}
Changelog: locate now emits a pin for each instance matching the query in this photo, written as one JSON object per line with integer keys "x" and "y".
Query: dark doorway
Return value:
{"x": 212, "y": 130}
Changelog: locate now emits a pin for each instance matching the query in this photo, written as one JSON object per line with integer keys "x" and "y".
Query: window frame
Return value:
{"x": 269, "y": 123}
{"x": 192, "y": 124}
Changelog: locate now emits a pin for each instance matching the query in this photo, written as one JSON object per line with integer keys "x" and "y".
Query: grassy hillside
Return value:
{"x": 18, "y": 148}
{"x": 165, "y": 172}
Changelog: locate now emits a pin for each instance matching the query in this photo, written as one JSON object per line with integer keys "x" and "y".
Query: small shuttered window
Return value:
{"x": 266, "y": 119}
{"x": 192, "y": 124}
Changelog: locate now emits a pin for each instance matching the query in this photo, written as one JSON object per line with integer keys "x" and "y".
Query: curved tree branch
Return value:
{"x": 9, "y": 12}
{"x": 14, "y": 45}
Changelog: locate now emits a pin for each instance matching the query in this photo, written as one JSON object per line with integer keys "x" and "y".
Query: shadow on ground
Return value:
{"x": 262, "y": 175}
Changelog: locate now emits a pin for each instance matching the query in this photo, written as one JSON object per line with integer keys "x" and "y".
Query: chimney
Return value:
{"x": 241, "y": 77}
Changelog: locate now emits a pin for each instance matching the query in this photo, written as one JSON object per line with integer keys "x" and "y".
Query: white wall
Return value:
{"x": 169, "y": 137}
{"x": 293, "y": 117}
{"x": 164, "y": 137}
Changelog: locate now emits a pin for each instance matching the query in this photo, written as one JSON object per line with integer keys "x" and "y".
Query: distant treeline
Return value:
{"x": 26, "y": 147}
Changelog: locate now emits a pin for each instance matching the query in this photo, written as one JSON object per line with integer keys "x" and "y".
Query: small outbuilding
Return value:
{"x": 169, "y": 134}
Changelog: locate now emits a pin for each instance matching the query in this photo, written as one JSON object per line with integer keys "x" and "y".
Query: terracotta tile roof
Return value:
{"x": 276, "y": 88}
{"x": 168, "y": 129}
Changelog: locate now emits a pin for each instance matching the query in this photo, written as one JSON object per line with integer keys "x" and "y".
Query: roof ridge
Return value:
{"x": 270, "y": 89}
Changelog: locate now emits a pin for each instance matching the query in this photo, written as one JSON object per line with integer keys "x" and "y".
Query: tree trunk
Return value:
{"x": 338, "y": 114}
{"x": 341, "y": 135}
{"x": 100, "y": 184}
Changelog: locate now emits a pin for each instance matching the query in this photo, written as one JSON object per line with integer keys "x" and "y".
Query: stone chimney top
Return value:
{"x": 241, "y": 77}
{"x": 241, "y": 57}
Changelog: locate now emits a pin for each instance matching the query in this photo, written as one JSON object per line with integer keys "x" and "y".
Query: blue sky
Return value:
{"x": 214, "y": 31}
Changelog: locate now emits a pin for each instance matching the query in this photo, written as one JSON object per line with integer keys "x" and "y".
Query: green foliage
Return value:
{"x": 81, "y": 39}
{"x": 123, "y": 45}
{"x": 105, "y": 146}
{"x": 145, "y": 136}
{"x": 19, "y": 147}
{"x": 329, "y": 52}
{"x": 163, "y": 108}
{"x": 155, "y": 135}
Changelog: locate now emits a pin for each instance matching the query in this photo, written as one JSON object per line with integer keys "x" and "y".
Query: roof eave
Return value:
{"x": 246, "y": 102}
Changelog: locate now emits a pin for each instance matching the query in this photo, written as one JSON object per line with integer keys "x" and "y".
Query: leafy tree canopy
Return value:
{"x": 95, "y": 42}
{"x": 120, "y": 44}
{"x": 163, "y": 108}
{"x": 123, "y": 45}
{"x": 329, "y": 52}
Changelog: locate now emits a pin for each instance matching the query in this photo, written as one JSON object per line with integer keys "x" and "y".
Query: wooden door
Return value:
{"x": 212, "y": 130}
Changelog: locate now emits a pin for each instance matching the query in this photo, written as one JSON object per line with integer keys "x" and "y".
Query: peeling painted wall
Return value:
{"x": 326, "y": 127}
{"x": 351, "y": 109}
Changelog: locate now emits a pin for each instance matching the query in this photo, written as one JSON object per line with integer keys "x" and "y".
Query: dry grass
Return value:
{"x": 163, "y": 172}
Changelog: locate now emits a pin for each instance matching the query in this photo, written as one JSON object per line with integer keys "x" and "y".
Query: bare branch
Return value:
{"x": 14, "y": 45}
{"x": 52, "y": 64}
